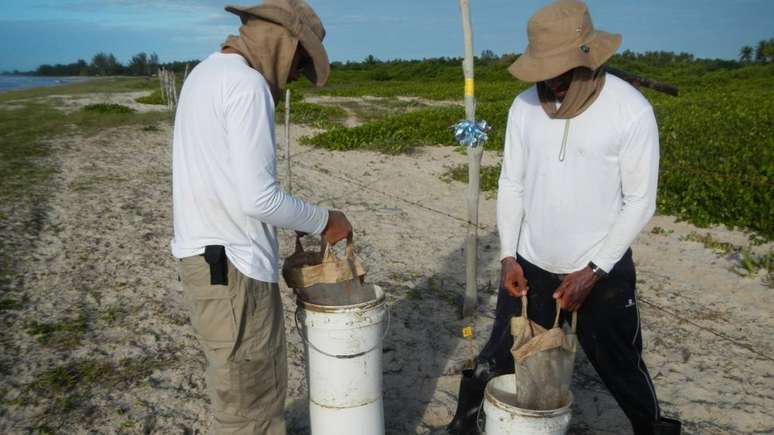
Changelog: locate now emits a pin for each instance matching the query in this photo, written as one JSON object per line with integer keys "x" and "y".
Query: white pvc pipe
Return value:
{"x": 503, "y": 418}
{"x": 344, "y": 366}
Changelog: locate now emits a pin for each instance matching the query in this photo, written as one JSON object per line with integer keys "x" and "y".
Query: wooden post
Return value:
{"x": 173, "y": 89}
{"x": 474, "y": 164}
{"x": 161, "y": 83}
{"x": 287, "y": 139}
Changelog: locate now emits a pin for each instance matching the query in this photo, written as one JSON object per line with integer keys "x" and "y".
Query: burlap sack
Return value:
{"x": 543, "y": 361}
{"x": 323, "y": 278}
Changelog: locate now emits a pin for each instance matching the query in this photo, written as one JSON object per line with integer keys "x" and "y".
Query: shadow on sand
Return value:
{"x": 424, "y": 353}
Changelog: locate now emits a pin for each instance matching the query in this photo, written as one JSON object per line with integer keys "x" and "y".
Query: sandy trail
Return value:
{"x": 103, "y": 254}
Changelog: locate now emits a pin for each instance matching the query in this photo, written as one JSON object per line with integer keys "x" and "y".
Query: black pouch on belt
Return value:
{"x": 215, "y": 256}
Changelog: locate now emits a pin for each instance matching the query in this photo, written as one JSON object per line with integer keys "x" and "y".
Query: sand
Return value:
{"x": 102, "y": 253}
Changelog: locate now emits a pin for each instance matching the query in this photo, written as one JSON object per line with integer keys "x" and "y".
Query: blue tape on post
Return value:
{"x": 471, "y": 133}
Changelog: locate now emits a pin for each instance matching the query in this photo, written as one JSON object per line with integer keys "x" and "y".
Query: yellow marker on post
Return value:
{"x": 467, "y": 332}
{"x": 469, "y": 88}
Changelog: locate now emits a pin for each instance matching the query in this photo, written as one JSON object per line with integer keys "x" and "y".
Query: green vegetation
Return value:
{"x": 717, "y": 150}
{"x": 489, "y": 176}
{"x": 108, "y": 108}
{"x": 89, "y": 373}
{"x": 392, "y": 135}
{"x": 8, "y": 305}
{"x": 748, "y": 263}
{"x": 155, "y": 97}
{"x": 114, "y": 314}
{"x": 66, "y": 387}
{"x": 315, "y": 115}
{"x": 710, "y": 242}
{"x": 661, "y": 231}
{"x": 63, "y": 334}
{"x": 27, "y": 123}
{"x": 751, "y": 264}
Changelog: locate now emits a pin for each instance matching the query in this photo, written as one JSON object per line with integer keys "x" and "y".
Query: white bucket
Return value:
{"x": 343, "y": 347}
{"x": 502, "y": 418}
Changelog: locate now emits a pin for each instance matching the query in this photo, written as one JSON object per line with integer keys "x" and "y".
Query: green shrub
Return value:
{"x": 490, "y": 176}
{"x": 717, "y": 146}
{"x": 153, "y": 98}
{"x": 107, "y": 108}
{"x": 315, "y": 115}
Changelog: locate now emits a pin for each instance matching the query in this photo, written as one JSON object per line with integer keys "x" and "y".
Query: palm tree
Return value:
{"x": 745, "y": 54}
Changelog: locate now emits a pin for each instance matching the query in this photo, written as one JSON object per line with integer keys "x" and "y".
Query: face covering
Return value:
{"x": 269, "y": 49}
{"x": 585, "y": 87}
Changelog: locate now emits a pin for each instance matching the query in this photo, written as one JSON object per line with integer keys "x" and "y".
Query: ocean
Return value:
{"x": 12, "y": 83}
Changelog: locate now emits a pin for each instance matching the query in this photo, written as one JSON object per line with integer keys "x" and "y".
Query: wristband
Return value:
{"x": 598, "y": 271}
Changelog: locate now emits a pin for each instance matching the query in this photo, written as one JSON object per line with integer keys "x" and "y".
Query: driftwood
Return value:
{"x": 470, "y": 299}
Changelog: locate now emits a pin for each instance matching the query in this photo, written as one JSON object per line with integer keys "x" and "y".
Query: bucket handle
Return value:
{"x": 573, "y": 320}
{"x": 325, "y": 249}
{"x": 306, "y": 340}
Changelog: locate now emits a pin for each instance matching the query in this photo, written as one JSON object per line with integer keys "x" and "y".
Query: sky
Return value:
{"x": 34, "y": 32}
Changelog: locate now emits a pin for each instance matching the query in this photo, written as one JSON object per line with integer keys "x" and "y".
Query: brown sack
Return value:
{"x": 323, "y": 278}
{"x": 543, "y": 361}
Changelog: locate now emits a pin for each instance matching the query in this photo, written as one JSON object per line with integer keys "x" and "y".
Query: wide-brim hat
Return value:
{"x": 302, "y": 22}
{"x": 562, "y": 37}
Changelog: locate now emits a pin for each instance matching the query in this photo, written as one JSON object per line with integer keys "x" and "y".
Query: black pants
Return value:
{"x": 608, "y": 331}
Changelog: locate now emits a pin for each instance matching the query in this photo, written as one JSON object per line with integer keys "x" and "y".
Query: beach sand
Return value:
{"x": 101, "y": 258}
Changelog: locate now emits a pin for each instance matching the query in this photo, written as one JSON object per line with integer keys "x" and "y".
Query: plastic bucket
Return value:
{"x": 343, "y": 346}
{"x": 503, "y": 418}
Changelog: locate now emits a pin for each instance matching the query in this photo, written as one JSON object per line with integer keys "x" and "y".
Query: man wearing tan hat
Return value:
{"x": 227, "y": 204}
{"x": 578, "y": 183}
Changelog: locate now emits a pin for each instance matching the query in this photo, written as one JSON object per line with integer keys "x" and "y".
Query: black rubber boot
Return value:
{"x": 495, "y": 359}
{"x": 469, "y": 400}
{"x": 667, "y": 426}
{"x": 664, "y": 426}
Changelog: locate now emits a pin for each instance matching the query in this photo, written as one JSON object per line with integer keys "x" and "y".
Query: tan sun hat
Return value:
{"x": 302, "y": 22}
{"x": 562, "y": 37}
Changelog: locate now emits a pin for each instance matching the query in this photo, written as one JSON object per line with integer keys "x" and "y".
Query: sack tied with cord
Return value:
{"x": 322, "y": 278}
{"x": 544, "y": 361}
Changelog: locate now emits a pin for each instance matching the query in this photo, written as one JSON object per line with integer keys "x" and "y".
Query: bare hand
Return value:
{"x": 337, "y": 228}
{"x": 512, "y": 277}
{"x": 575, "y": 288}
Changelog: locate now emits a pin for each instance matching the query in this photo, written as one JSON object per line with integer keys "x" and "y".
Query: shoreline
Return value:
{"x": 26, "y": 82}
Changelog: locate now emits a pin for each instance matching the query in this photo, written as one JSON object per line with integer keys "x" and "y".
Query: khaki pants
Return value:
{"x": 241, "y": 329}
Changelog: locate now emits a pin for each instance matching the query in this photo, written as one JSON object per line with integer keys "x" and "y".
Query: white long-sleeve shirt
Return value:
{"x": 559, "y": 215}
{"x": 224, "y": 175}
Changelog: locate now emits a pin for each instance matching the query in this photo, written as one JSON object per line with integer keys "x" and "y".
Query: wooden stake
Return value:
{"x": 287, "y": 139}
{"x": 173, "y": 89}
{"x": 161, "y": 84}
{"x": 474, "y": 165}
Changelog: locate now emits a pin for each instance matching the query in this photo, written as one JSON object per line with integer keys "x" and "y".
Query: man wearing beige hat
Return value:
{"x": 578, "y": 183}
{"x": 227, "y": 204}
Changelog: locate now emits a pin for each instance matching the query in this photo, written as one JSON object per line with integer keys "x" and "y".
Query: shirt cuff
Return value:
{"x": 506, "y": 253}
{"x": 323, "y": 221}
{"x": 603, "y": 264}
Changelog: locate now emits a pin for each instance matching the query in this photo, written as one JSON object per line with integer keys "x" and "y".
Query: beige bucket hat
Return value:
{"x": 302, "y": 22}
{"x": 562, "y": 37}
